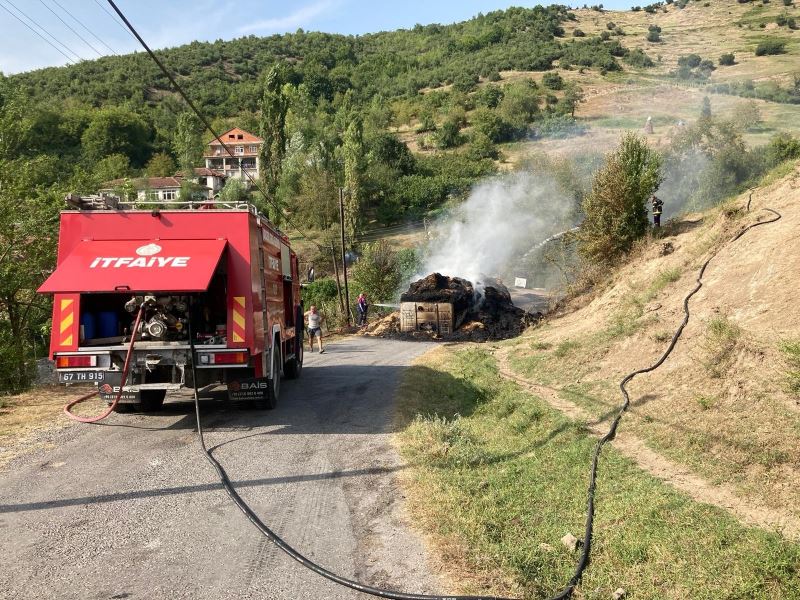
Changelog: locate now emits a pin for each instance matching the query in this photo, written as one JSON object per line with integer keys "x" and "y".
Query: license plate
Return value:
{"x": 80, "y": 376}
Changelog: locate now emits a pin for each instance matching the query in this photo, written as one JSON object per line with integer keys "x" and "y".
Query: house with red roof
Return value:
{"x": 236, "y": 156}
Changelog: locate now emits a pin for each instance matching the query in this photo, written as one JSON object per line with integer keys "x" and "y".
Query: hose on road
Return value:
{"x": 125, "y": 368}
{"x": 583, "y": 561}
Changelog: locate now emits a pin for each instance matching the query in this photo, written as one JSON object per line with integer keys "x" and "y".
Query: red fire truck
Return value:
{"x": 218, "y": 286}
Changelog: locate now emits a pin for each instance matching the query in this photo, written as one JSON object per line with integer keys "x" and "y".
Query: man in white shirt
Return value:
{"x": 314, "y": 328}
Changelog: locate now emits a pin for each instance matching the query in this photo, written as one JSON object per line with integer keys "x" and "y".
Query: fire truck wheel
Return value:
{"x": 152, "y": 400}
{"x": 270, "y": 400}
{"x": 294, "y": 366}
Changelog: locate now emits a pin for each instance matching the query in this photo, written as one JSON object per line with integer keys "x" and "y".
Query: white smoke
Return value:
{"x": 500, "y": 221}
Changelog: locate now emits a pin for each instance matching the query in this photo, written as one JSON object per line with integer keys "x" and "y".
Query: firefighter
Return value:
{"x": 658, "y": 207}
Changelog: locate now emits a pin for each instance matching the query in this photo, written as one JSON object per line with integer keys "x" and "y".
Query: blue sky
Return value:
{"x": 165, "y": 23}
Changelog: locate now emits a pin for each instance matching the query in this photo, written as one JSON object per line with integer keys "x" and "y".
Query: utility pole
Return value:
{"x": 344, "y": 261}
{"x": 338, "y": 284}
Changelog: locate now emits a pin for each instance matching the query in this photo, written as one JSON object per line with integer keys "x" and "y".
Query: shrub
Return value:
{"x": 791, "y": 354}
{"x": 727, "y": 59}
{"x": 605, "y": 36}
{"x": 465, "y": 82}
{"x": 448, "y": 135}
{"x": 377, "y": 273}
{"x": 787, "y": 2}
{"x": 619, "y": 31}
{"x": 689, "y": 60}
{"x": 655, "y": 28}
{"x": 770, "y": 47}
{"x": 616, "y": 207}
{"x": 319, "y": 292}
{"x": 637, "y": 58}
{"x": 578, "y": 33}
{"x": 482, "y": 147}
{"x": 490, "y": 124}
{"x": 611, "y": 25}
{"x": 782, "y": 147}
{"x": 553, "y": 80}
{"x": 653, "y": 36}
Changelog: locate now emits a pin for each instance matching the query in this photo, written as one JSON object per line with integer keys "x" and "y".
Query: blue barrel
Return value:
{"x": 107, "y": 324}
{"x": 89, "y": 326}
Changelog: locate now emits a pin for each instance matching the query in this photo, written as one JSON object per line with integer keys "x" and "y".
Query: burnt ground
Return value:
{"x": 131, "y": 509}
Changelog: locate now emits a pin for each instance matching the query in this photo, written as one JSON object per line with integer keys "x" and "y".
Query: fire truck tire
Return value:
{"x": 294, "y": 366}
{"x": 270, "y": 401}
{"x": 152, "y": 400}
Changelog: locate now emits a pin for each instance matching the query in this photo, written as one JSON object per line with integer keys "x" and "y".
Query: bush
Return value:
{"x": 616, "y": 208}
{"x": 619, "y": 31}
{"x": 578, "y": 33}
{"x": 464, "y": 82}
{"x": 653, "y": 36}
{"x": 782, "y": 147}
{"x": 448, "y": 135}
{"x": 727, "y": 59}
{"x": 611, "y": 25}
{"x": 637, "y": 58}
{"x": 689, "y": 60}
{"x": 319, "y": 293}
{"x": 378, "y": 273}
{"x": 605, "y": 36}
{"x": 553, "y": 80}
{"x": 770, "y": 47}
{"x": 490, "y": 124}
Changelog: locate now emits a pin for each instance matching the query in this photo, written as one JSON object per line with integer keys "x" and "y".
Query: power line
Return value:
{"x": 79, "y": 22}
{"x": 85, "y": 41}
{"x": 113, "y": 18}
{"x": 51, "y": 36}
{"x": 69, "y": 60}
{"x": 205, "y": 122}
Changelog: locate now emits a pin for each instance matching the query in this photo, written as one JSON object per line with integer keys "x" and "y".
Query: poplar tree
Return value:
{"x": 353, "y": 153}
{"x": 272, "y": 127}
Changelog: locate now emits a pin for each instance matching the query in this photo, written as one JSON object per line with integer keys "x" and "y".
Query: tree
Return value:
{"x": 520, "y": 104}
{"x": 274, "y": 105}
{"x": 234, "y": 192}
{"x": 552, "y": 80}
{"x": 188, "y": 142}
{"x": 378, "y": 273}
{"x": 114, "y": 166}
{"x": 116, "y": 131}
{"x": 573, "y": 95}
{"x": 161, "y": 164}
{"x": 748, "y": 116}
{"x": 449, "y": 135}
{"x": 353, "y": 153}
{"x": 705, "y": 108}
{"x": 616, "y": 207}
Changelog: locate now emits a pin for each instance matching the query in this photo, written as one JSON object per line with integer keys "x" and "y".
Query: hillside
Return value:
{"x": 702, "y": 477}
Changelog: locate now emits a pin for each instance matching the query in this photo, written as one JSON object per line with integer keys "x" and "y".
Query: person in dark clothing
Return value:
{"x": 362, "y": 307}
{"x": 658, "y": 208}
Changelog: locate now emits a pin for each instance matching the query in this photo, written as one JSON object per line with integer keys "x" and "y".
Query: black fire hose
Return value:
{"x": 583, "y": 561}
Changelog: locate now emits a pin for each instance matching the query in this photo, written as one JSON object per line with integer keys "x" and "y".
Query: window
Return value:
{"x": 240, "y": 137}
{"x": 239, "y": 150}
{"x": 168, "y": 195}
{"x": 253, "y": 149}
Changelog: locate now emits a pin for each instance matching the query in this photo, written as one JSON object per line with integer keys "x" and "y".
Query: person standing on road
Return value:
{"x": 314, "y": 328}
{"x": 362, "y": 307}
{"x": 658, "y": 208}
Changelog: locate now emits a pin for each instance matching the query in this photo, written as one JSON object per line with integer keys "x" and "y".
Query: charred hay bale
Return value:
{"x": 440, "y": 288}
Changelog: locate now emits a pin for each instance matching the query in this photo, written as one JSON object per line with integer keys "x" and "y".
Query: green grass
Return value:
{"x": 791, "y": 354}
{"x": 718, "y": 345}
{"x": 501, "y": 483}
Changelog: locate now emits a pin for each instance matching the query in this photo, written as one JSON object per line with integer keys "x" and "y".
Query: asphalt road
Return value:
{"x": 130, "y": 508}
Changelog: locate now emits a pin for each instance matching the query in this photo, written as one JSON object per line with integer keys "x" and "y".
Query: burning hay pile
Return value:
{"x": 473, "y": 312}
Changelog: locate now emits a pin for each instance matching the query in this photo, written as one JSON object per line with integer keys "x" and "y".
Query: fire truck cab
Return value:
{"x": 217, "y": 288}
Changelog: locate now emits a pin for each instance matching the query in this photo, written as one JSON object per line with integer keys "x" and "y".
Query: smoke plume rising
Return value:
{"x": 502, "y": 219}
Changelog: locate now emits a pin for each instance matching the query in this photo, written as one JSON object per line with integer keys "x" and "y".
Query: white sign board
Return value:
{"x": 520, "y": 282}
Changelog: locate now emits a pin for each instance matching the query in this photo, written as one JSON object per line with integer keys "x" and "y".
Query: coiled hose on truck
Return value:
{"x": 125, "y": 368}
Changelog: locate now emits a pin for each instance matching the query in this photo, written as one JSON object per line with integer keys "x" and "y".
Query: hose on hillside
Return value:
{"x": 583, "y": 561}
{"x": 125, "y": 368}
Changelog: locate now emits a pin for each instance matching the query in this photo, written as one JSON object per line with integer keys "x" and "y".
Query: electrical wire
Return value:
{"x": 56, "y": 40}
{"x": 583, "y": 561}
{"x": 69, "y": 60}
{"x": 206, "y": 123}
{"x": 67, "y": 25}
{"x": 113, "y": 18}
{"x": 89, "y": 31}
